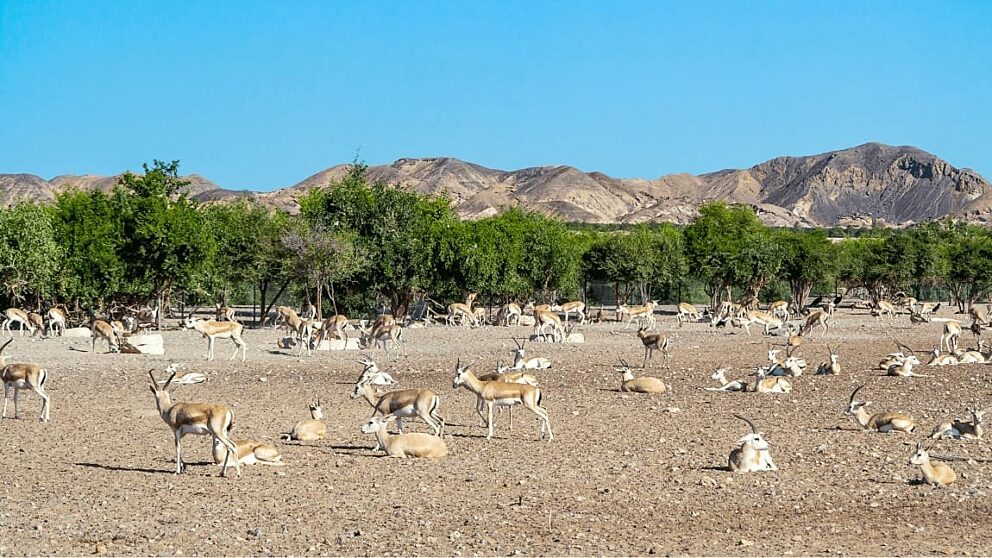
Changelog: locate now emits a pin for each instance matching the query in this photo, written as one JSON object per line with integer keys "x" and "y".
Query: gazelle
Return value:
{"x": 774, "y": 384}
{"x": 311, "y": 429}
{"x": 213, "y": 330}
{"x": 686, "y": 312}
{"x": 645, "y": 312}
{"x": 461, "y": 312}
{"x": 521, "y": 362}
{"x": 308, "y": 311}
{"x": 101, "y": 329}
{"x": 12, "y": 315}
{"x": 335, "y": 324}
{"x": 644, "y": 384}
{"x": 952, "y": 332}
{"x": 504, "y": 374}
{"x": 224, "y": 313}
{"x": 957, "y": 429}
{"x": 935, "y": 474}
{"x": 652, "y": 342}
{"x": 928, "y": 309}
{"x": 249, "y": 453}
{"x": 766, "y": 320}
{"x": 779, "y": 309}
{"x": 721, "y": 377}
{"x": 23, "y": 376}
{"x": 971, "y": 357}
{"x": 37, "y": 322}
{"x": 195, "y": 418}
{"x": 382, "y": 336}
{"x": 885, "y": 308}
{"x": 503, "y": 394}
{"x": 937, "y": 359}
{"x": 881, "y": 422}
{"x": 282, "y": 315}
{"x": 544, "y": 319}
{"x": 404, "y": 403}
{"x": 509, "y": 314}
{"x": 903, "y": 367}
{"x": 576, "y": 306}
{"x": 373, "y": 375}
{"x": 751, "y": 454}
{"x": 56, "y": 321}
{"x": 829, "y": 367}
{"x": 817, "y": 317}
{"x": 979, "y": 315}
{"x": 414, "y": 444}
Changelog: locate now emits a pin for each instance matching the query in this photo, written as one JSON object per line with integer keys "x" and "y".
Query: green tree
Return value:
{"x": 29, "y": 253}
{"x": 808, "y": 257}
{"x": 89, "y": 230}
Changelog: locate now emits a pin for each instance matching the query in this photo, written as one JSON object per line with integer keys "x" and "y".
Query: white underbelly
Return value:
{"x": 197, "y": 429}
{"x": 506, "y": 402}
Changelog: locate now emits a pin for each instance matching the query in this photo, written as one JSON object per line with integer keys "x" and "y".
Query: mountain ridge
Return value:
{"x": 871, "y": 184}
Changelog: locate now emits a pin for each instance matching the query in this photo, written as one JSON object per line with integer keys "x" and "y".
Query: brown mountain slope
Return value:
{"x": 869, "y": 184}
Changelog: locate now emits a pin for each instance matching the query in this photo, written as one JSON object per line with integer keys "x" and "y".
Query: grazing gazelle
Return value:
{"x": 686, "y": 312}
{"x": 20, "y": 316}
{"x": 101, "y": 329}
{"x": 751, "y": 453}
{"x": 335, "y": 324}
{"x": 644, "y": 384}
{"x": 652, "y": 342}
{"x": 503, "y": 394}
{"x": 414, "y": 444}
{"x": 779, "y": 309}
{"x": 544, "y": 319}
{"x": 214, "y": 330}
{"x": 461, "y": 312}
{"x": 957, "y": 429}
{"x": 952, "y": 332}
{"x": 881, "y": 422}
{"x": 644, "y": 311}
{"x": 23, "y": 376}
{"x": 184, "y": 418}
{"x": 509, "y": 314}
{"x": 936, "y": 474}
{"x": 576, "y": 306}
{"x": 381, "y": 336}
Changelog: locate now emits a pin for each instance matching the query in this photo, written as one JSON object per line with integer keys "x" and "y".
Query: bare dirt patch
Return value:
{"x": 625, "y": 474}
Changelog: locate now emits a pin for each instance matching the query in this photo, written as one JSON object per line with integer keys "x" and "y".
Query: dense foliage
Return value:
{"x": 357, "y": 245}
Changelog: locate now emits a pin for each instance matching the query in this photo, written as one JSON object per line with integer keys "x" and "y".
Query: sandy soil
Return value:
{"x": 625, "y": 474}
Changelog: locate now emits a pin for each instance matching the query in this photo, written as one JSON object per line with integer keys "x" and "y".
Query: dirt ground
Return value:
{"x": 626, "y": 474}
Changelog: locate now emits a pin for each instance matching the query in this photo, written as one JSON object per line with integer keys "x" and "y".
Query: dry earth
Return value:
{"x": 625, "y": 474}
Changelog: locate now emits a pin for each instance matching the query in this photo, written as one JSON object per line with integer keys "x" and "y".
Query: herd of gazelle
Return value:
{"x": 511, "y": 386}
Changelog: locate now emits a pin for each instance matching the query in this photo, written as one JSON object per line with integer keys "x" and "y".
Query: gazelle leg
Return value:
{"x": 46, "y": 404}
{"x": 179, "y": 453}
{"x": 6, "y": 388}
{"x": 490, "y": 405}
{"x": 17, "y": 392}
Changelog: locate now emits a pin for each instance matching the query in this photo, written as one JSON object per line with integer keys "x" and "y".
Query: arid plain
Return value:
{"x": 626, "y": 473}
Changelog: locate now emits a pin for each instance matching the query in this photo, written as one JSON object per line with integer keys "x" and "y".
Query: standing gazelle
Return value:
{"x": 195, "y": 418}
{"x": 23, "y": 376}
{"x": 20, "y": 316}
{"x": 503, "y": 394}
{"x": 652, "y": 342}
{"x": 214, "y": 330}
{"x": 576, "y": 306}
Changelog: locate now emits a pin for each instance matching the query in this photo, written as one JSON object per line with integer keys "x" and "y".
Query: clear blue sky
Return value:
{"x": 262, "y": 94}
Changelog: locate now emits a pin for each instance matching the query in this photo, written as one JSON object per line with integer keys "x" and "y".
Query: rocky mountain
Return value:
{"x": 868, "y": 185}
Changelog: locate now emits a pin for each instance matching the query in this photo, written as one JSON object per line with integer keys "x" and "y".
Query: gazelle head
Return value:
{"x": 852, "y": 405}
{"x": 624, "y": 368}
{"x": 162, "y": 398}
{"x": 189, "y": 322}
{"x": 461, "y": 373}
{"x": 773, "y": 354}
{"x": 755, "y": 439}
{"x": 373, "y": 425}
{"x": 316, "y": 411}
{"x": 922, "y": 453}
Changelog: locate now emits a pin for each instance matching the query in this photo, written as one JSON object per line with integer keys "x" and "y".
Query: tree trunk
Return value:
{"x": 267, "y": 309}
{"x": 331, "y": 297}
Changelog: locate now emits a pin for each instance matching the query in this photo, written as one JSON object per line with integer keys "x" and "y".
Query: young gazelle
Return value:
{"x": 414, "y": 444}
{"x": 751, "y": 454}
{"x": 249, "y": 453}
{"x": 214, "y": 330}
{"x": 403, "y": 403}
{"x": 23, "y": 376}
{"x": 638, "y": 385}
{"x": 12, "y": 315}
{"x": 830, "y": 366}
{"x": 101, "y": 329}
{"x": 881, "y": 422}
{"x": 195, "y": 418}
{"x": 957, "y": 429}
{"x": 521, "y": 362}
{"x": 652, "y": 342}
{"x": 721, "y": 377}
{"x": 935, "y": 474}
{"x": 311, "y": 429}
{"x": 503, "y": 394}
{"x": 576, "y": 306}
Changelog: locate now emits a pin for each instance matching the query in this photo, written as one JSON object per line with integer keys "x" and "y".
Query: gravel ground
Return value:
{"x": 625, "y": 474}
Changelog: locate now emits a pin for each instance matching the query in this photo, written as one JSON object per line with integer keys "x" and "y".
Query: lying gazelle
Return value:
{"x": 521, "y": 362}
{"x": 774, "y": 384}
{"x": 935, "y": 474}
{"x": 937, "y": 359}
{"x": 829, "y": 367}
{"x": 414, "y": 444}
{"x": 725, "y": 385}
{"x": 101, "y": 329}
{"x": 12, "y": 315}
{"x": 652, "y": 342}
{"x": 881, "y": 422}
{"x": 250, "y": 452}
{"x": 23, "y": 376}
{"x": 184, "y": 378}
{"x": 751, "y": 453}
{"x": 644, "y": 384}
{"x": 195, "y": 418}
{"x": 576, "y": 306}
{"x": 214, "y": 330}
{"x": 403, "y": 403}
{"x": 311, "y": 429}
{"x": 958, "y": 429}
{"x": 503, "y": 394}
{"x": 373, "y": 375}
{"x": 791, "y": 366}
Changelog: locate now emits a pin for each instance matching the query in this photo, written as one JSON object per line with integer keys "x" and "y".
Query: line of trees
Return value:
{"x": 357, "y": 244}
